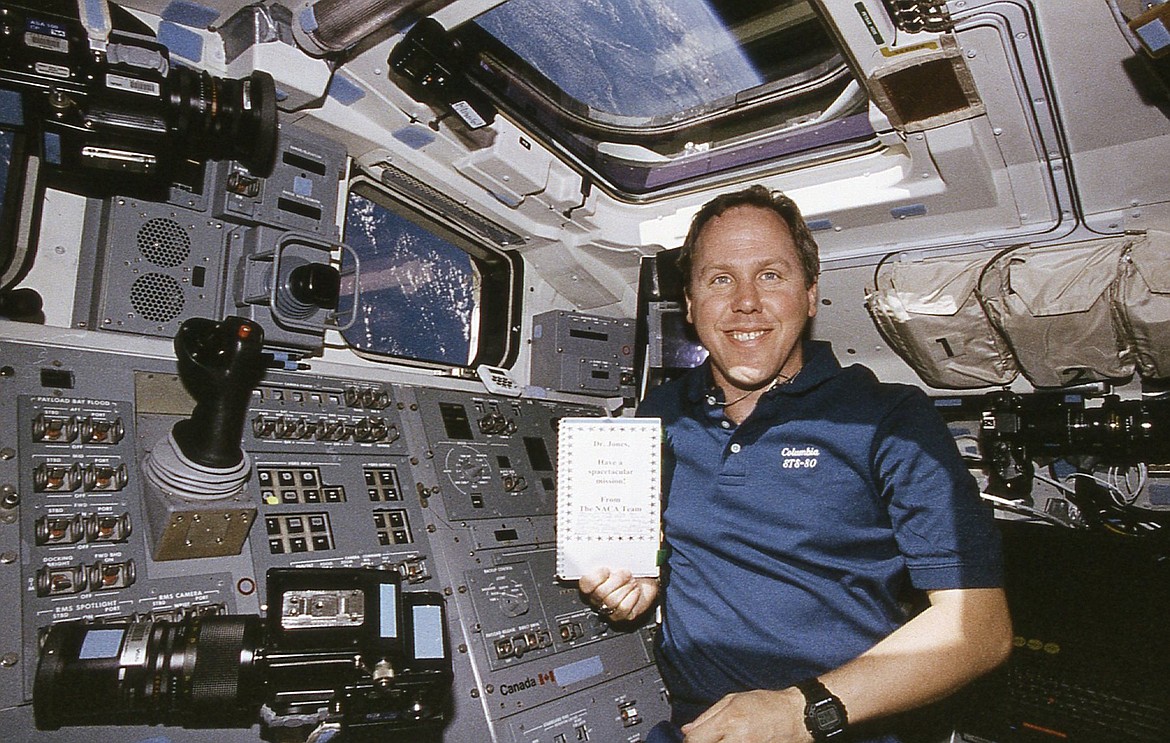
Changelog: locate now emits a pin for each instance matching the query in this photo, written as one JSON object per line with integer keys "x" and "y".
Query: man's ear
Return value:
{"x": 813, "y": 299}
{"x": 687, "y": 304}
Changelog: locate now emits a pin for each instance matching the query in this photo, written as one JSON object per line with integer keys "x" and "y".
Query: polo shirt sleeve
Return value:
{"x": 945, "y": 532}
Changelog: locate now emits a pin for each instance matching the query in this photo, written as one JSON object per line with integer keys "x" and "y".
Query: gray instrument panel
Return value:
{"x": 453, "y": 490}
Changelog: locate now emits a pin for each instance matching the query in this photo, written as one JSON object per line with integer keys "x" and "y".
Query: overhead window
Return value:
{"x": 651, "y": 94}
{"x": 425, "y": 292}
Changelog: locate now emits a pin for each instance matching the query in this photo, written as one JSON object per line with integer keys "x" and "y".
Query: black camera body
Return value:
{"x": 339, "y": 646}
{"x": 117, "y": 115}
{"x": 378, "y": 657}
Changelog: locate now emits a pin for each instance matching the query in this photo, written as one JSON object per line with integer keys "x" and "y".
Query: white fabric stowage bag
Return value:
{"x": 1054, "y": 306}
{"x": 929, "y": 313}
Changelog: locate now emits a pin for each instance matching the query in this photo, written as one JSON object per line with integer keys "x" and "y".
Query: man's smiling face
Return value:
{"x": 749, "y": 300}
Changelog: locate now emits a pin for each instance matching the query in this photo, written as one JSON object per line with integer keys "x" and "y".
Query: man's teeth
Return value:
{"x": 747, "y": 336}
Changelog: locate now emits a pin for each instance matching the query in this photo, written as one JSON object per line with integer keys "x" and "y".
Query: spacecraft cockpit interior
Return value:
{"x": 294, "y": 294}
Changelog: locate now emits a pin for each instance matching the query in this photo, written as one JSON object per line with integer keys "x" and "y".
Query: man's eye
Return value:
{"x": 720, "y": 280}
{"x": 770, "y": 276}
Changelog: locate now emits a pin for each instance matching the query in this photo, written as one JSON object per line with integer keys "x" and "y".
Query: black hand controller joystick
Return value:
{"x": 220, "y": 363}
{"x": 196, "y": 501}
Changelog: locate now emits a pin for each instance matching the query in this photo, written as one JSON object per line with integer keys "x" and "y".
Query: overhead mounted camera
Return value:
{"x": 433, "y": 65}
{"x": 122, "y": 108}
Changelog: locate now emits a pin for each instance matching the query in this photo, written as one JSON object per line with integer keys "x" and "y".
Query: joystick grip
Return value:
{"x": 220, "y": 363}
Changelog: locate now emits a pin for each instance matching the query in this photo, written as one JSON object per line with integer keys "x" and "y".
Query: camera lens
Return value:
{"x": 198, "y": 672}
{"x": 1122, "y": 431}
{"x": 219, "y": 119}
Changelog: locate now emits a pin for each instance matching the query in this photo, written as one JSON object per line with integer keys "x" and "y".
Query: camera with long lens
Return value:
{"x": 342, "y": 647}
{"x": 118, "y": 115}
{"x": 1015, "y": 429}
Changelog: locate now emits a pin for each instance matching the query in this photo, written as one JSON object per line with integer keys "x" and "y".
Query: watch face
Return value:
{"x": 826, "y": 716}
{"x": 825, "y": 719}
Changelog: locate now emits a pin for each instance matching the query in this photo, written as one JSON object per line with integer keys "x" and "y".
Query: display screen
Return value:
{"x": 673, "y": 343}
{"x": 455, "y": 421}
{"x": 537, "y": 454}
{"x": 428, "y": 631}
{"x": 101, "y": 643}
{"x": 388, "y": 610}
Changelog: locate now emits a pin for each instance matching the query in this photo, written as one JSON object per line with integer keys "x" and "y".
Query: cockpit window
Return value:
{"x": 426, "y": 293}
{"x": 651, "y": 93}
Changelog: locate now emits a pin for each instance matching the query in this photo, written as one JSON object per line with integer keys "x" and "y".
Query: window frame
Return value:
{"x": 760, "y": 128}
{"x": 20, "y": 214}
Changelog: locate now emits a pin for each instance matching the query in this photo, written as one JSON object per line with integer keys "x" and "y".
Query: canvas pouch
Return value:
{"x": 1054, "y": 306}
{"x": 930, "y": 314}
{"x": 1142, "y": 302}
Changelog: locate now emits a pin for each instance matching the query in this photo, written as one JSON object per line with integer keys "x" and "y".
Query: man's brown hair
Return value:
{"x": 763, "y": 198}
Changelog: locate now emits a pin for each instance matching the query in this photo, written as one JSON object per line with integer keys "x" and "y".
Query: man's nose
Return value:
{"x": 746, "y": 297}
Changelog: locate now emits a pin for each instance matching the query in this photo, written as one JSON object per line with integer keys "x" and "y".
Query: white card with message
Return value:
{"x": 609, "y": 482}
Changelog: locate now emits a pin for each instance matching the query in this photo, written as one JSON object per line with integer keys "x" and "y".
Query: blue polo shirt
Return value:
{"x": 792, "y": 537}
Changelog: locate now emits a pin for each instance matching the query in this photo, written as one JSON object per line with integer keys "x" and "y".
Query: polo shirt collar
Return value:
{"x": 820, "y": 364}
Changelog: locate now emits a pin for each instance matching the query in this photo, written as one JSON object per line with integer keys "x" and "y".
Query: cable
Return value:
{"x": 1024, "y": 508}
{"x": 1115, "y": 492}
{"x": 1117, "y": 514}
{"x": 1055, "y": 483}
{"x": 1133, "y": 491}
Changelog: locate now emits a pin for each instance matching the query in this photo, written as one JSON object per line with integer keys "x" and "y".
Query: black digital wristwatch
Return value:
{"x": 824, "y": 714}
